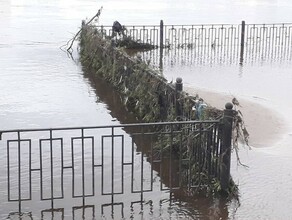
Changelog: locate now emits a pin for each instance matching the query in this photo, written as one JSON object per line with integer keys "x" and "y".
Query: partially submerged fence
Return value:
{"x": 146, "y": 93}
{"x": 189, "y": 36}
{"x": 230, "y": 41}
{"x": 44, "y": 166}
{"x": 268, "y": 40}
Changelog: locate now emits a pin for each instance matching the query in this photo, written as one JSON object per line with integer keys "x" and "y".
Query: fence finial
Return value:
{"x": 228, "y": 106}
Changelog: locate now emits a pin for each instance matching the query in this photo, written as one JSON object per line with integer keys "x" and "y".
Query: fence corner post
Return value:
{"x": 242, "y": 41}
{"x": 225, "y": 151}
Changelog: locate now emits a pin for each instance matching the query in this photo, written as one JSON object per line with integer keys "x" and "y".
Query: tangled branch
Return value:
{"x": 72, "y": 40}
{"x": 240, "y": 133}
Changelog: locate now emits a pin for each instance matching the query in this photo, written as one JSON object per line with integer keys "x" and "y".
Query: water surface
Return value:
{"x": 42, "y": 87}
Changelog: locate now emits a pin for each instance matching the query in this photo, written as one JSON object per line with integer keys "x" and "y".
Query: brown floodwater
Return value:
{"x": 41, "y": 87}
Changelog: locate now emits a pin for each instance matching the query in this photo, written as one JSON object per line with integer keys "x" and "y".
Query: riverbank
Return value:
{"x": 264, "y": 125}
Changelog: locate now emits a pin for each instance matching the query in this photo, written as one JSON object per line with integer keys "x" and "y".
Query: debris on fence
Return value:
{"x": 129, "y": 43}
{"x": 117, "y": 29}
{"x": 240, "y": 133}
{"x": 120, "y": 38}
{"x": 149, "y": 96}
{"x": 200, "y": 107}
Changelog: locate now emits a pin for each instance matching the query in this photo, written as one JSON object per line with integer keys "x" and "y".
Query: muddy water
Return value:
{"x": 41, "y": 87}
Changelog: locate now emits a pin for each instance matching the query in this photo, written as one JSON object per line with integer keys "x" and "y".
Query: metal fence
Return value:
{"x": 90, "y": 164}
{"x": 181, "y": 36}
{"x": 268, "y": 41}
{"x": 216, "y": 42}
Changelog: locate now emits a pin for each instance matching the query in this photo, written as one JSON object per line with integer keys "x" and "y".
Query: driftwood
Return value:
{"x": 72, "y": 40}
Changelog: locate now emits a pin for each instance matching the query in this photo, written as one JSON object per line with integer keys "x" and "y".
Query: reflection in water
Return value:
{"x": 136, "y": 209}
{"x": 152, "y": 209}
{"x": 208, "y": 56}
{"x": 114, "y": 102}
{"x": 190, "y": 206}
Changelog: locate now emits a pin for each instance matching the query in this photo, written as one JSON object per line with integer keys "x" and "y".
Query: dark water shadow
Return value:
{"x": 175, "y": 203}
{"x": 199, "y": 206}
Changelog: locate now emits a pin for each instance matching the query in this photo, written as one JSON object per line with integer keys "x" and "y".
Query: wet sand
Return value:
{"x": 264, "y": 125}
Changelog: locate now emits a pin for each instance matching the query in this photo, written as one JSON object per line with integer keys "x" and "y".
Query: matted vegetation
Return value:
{"x": 147, "y": 94}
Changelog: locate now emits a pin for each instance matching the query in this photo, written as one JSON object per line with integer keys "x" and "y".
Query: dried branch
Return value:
{"x": 72, "y": 40}
{"x": 239, "y": 132}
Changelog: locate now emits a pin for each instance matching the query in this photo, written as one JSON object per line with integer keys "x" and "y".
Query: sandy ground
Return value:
{"x": 263, "y": 124}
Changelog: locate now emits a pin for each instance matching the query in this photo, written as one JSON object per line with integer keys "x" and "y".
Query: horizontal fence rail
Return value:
{"x": 209, "y": 43}
{"x": 44, "y": 166}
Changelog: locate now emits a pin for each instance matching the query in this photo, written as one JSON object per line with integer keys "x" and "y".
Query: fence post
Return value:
{"x": 178, "y": 90}
{"x": 101, "y": 29}
{"x": 161, "y": 34}
{"x": 161, "y": 44}
{"x": 225, "y": 151}
{"x": 178, "y": 84}
{"x": 242, "y": 41}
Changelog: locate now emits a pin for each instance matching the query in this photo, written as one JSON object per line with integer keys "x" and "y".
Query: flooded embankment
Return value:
{"x": 41, "y": 87}
{"x": 264, "y": 125}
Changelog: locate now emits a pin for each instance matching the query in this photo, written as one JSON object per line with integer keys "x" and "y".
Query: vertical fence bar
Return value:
{"x": 170, "y": 158}
{"x": 178, "y": 90}
{"x": 225, "y": 151}
{"x": 102, "y": 166}
{"x": 112, "y": 164}
{"x": 19, "y": 172}
{"x": 8, "y": 171}
{"x": 73, "y": 168}
{"x": 83, "y": 164}
{"x": 142, "y": 167}
{"x": 242, "y": 41}
{"x": 52, "y": 169}
{"x": 161, "y": 45}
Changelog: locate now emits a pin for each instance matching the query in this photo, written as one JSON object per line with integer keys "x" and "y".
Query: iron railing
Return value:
{"x": 209, "y": 43}
{"x": 181, "y": 36}
{"x": 268, "y": 41}
{"x": 89, "y": 164}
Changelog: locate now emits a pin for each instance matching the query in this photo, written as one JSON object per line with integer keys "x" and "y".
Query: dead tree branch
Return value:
{"x": 72, "y": 40}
